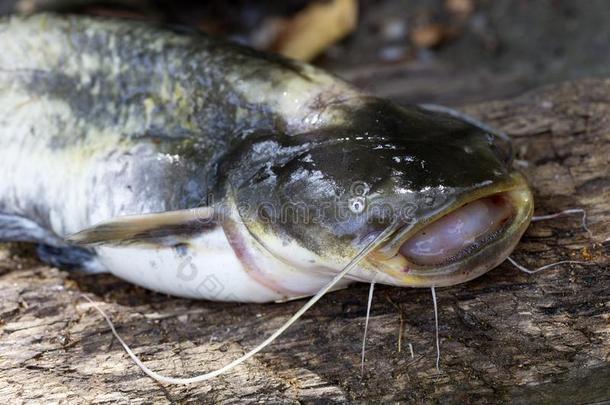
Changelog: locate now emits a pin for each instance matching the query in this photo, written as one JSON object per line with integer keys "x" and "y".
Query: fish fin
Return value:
{"x": 15, "y": 228}
{"x": 51, "y": 249}
{"x": 164, "y": 228}
{"x": 70, "y": 258}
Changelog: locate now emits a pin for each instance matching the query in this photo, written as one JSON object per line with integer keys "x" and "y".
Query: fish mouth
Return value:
{"x": 460, "y": 231}
{"x": 464, "y": 241}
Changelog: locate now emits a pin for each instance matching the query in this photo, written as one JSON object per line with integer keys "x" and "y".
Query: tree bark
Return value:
{"x": 505, "y": 336}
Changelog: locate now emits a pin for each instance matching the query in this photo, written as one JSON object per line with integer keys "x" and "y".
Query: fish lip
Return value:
{"x": 487, "y": 257}
{"x": 515, "y": 182}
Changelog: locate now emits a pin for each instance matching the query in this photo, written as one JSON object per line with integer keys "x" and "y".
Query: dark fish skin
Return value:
{"x": 134, "y": 117}
{"x": 410, "y": 162}
{"x": 105, "y": 118}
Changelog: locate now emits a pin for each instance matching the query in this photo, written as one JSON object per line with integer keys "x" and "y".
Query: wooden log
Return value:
{"x": 505, "y": 336}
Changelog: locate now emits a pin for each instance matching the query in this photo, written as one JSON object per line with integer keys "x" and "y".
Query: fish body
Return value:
{"x": 267, "y": 167}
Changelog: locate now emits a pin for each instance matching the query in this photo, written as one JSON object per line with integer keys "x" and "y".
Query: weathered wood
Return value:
{"x": 506, "y": 335}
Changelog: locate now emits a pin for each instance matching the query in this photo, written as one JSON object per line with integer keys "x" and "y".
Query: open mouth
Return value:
{"x": 462, "y": 242}
{"x": 461, "y": 231}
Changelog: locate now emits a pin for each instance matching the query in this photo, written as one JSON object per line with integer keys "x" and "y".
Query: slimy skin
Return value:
{"x": 101, "y": 119}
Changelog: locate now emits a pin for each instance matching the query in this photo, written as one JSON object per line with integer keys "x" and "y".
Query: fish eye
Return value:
{"x": 357, "y": 205}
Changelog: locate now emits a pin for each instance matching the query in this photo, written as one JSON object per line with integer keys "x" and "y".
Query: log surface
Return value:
{"x": 507, "y": 335}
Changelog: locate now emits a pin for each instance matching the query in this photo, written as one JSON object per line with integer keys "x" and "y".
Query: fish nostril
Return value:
{"x": 460, "y": 229}
{"x": 503, "y": 148}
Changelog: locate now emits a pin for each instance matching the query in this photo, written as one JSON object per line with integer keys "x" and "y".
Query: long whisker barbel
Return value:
{"x": 206, "y": 376}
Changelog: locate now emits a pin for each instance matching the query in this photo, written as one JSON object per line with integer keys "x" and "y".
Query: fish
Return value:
{"x": 200, "y": 168}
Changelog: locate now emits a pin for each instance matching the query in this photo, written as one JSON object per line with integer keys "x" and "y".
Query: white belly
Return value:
{"x": 208, "y": 269}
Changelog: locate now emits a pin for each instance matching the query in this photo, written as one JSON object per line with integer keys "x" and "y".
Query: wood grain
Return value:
{"x": 506, "y": 335}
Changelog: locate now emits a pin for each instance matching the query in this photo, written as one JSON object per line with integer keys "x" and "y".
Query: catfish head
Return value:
{"x": 444, "y": 188}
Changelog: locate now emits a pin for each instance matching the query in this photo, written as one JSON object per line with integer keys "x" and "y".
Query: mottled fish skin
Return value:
{"x": 134, "y": 116}
{"x": 101, "y": 119}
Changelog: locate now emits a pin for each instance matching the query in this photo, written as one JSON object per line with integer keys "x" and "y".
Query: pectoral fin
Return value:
{"x": 165, "y": 228}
